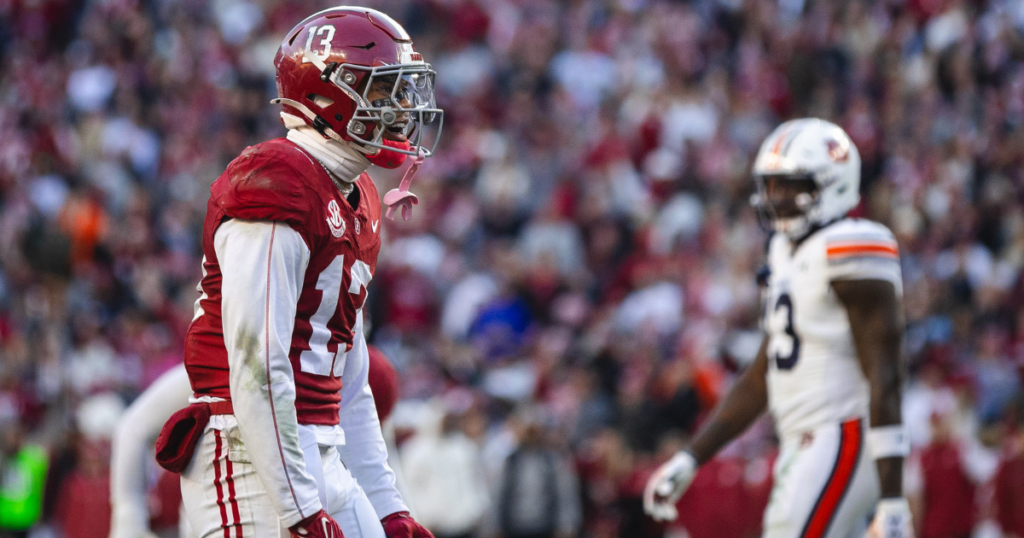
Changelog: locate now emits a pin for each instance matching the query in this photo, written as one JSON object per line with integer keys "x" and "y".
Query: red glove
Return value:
{"x": 318, "y": 525}
{"x": 402, "y": 525}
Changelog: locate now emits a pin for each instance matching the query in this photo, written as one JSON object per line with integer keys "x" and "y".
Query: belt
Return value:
{"x": 221, "y": 408}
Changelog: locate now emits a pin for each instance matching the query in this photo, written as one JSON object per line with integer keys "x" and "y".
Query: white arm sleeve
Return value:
{"x": 365, "y": 453}
{"x": 388, "y": 429}
{"x": 132, "y": 447}
{"x": 263, "y": 264}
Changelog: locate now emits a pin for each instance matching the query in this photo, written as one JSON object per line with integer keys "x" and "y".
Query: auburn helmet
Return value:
{"x": 810, "y": 150}
{"x": 328, "y": 64}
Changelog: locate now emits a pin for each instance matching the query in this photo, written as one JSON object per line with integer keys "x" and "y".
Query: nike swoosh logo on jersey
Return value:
{"x": 374, "y": 225}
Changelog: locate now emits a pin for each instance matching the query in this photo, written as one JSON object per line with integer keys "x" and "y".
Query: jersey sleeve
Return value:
{"x": 365, "y": 452}
{"x": 862, "y": 250}
{"x": 263, "y": 264}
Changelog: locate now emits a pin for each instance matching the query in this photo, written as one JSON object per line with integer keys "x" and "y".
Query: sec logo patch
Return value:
{"x": 334, "y": 220}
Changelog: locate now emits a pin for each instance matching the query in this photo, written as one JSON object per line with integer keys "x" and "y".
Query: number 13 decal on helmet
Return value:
{"x": 781, "y": 317}
{"x": 327, "y": 31}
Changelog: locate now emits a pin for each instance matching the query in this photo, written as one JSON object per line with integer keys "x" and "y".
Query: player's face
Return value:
{"x": 788, "y": 196}
{"x": 383, "y": 93}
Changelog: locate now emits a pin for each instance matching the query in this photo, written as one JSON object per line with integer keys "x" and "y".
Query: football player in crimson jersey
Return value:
{"x": 290, "y": 243}
{"x": 829, "y": 366}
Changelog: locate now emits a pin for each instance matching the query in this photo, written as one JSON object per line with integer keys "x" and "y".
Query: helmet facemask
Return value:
{"x": 397, "y": 98}
{"x": 787, "y": 203}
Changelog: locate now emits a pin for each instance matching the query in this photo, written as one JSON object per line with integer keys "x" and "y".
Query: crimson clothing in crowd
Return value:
{"x": 758, "y": 484}
{"x": 949, "y": 509}
{"x": 1009, "y": 495}
{"x": 83, "y": 506}
{"x": 714, "y": 504}
{"x": 165, "y": 502}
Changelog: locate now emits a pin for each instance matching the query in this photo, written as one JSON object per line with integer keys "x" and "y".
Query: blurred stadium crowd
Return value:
{"x": 576, "y": 288}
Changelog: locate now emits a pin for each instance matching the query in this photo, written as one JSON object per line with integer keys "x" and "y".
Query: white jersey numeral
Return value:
{"x": 784, "y": 345}
{"x": 360, "y": 277}
{"x": 327, "y": 31}
{"x": 318, "y": 359}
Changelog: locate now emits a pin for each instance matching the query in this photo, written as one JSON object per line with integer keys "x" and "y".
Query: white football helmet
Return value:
{"x": 815, "y": 149}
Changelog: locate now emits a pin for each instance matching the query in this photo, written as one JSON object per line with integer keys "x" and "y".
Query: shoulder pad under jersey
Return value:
{"x": 850, "y": 233}
{"x": 268, "y": 181}
{"x": 853, "y": 245}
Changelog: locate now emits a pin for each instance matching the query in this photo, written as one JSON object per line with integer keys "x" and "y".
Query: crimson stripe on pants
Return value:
{"x": 850, "y": 441}
{"x": 231, "y": 497}
{"x": 216, "y": 483}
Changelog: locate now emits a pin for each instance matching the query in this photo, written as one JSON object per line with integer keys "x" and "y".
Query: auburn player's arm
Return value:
{"x": 746, "y": 400}
{"x": 876, "y": 321}
{"x": 262, "y": 265}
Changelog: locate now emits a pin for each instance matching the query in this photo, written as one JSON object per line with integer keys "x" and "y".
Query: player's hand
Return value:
{"x": 667, "y": 485}
{"x": 402, "y": 525}
{"x": 892, "y": 519}
{"x": 318, "y": 525}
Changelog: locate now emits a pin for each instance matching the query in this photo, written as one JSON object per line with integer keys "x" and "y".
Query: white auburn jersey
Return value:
{"x": 814, "y": 376}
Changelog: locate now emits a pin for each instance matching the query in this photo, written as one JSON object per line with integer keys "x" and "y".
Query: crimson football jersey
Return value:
{"x": 278, "y": 181}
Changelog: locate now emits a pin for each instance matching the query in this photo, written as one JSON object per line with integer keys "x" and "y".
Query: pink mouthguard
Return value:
{"x": 401, "y": 197}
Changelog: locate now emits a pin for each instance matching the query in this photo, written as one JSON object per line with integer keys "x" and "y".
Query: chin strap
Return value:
{"x": 401, "y": 196}
{"x": 319, "y": 123}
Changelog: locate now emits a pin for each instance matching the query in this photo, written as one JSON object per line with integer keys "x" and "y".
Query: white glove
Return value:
{"x": 667, "y": 485}
{"x": 892, "y": 519}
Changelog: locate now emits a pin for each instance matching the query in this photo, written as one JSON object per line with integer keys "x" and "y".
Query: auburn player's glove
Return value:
{"x": 667, "y": 485}
{"x": 318, "y": 525}
{"x": 892, "y": 519}
{"x": 402, "y": 525}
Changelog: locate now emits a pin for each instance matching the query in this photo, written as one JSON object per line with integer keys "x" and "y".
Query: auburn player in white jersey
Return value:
{"x": 829, "y": 366}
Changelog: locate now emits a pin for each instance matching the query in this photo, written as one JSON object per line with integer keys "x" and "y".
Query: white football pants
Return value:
{"x": 826, "y": 484}
{"x": 224, "y": 497}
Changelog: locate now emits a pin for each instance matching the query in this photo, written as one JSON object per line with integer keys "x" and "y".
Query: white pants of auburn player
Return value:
{"x": 826, "y": 484}
{"x": 224, "y": 497}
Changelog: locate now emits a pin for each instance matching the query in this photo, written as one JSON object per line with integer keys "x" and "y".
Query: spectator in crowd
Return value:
{"x": 444, "y": 477}
{"x": 1009, "y": 481}
{"x": 22, "y": 475}
{"x": 948, "y": 492}
{"x": 537, "y": 495}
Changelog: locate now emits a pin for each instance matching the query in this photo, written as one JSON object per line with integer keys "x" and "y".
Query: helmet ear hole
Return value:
{"x": 320, "y": 101}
